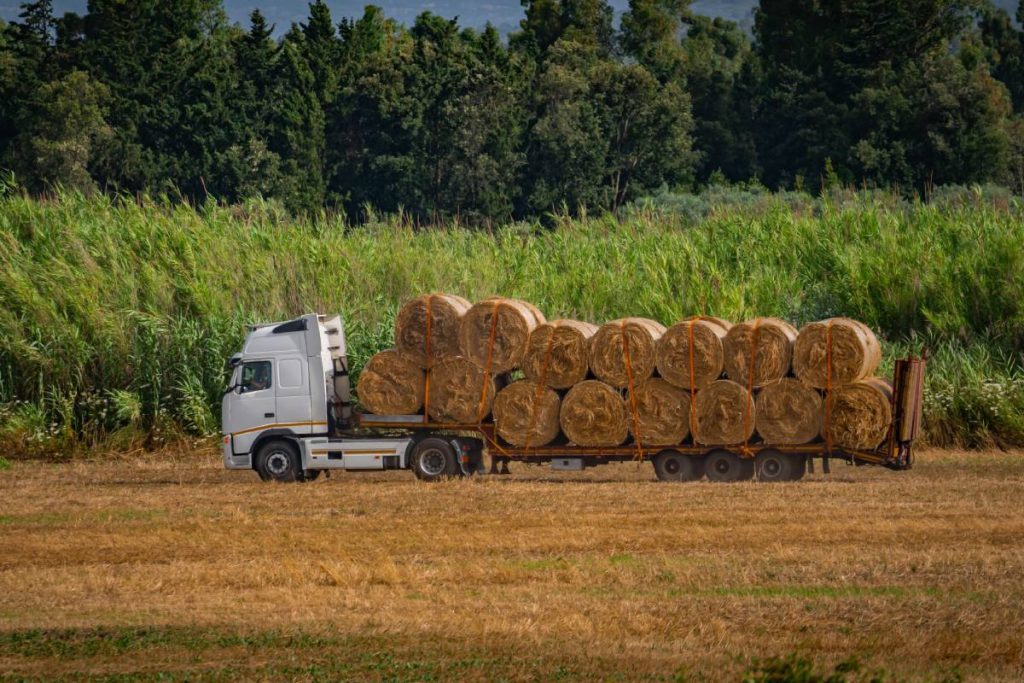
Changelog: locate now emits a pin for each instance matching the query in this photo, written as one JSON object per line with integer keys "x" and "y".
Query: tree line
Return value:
{"x": 574, "y": 111}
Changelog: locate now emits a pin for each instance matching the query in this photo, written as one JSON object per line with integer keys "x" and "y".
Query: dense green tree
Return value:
{"x": 297, "y": 131}
{"x": 588, "y": 23}
{"x": 871, "y": 87}
{"x": 62, "y": 130}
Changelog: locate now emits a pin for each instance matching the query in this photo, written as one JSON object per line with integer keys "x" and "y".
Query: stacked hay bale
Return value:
{"x": 702, "y": 380}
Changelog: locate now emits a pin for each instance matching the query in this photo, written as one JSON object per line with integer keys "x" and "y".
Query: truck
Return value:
{"x": 288, "y": 414}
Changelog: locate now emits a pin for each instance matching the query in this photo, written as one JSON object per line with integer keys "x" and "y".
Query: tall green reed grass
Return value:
{"x": 116, "y": 316}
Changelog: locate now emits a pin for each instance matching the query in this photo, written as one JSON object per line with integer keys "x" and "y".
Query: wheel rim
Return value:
{"x": 277, "y": 463}
{"x": 432, "y": 462}
{"x": 672, "y": 465}
{"x": 771, "y": 468}
{"x": 722, "y": 465}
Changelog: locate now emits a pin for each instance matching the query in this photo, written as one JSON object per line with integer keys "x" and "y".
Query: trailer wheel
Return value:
{"x": 773, "y": 466}
{"x": 434, "y": 459}
{"x": 278, "y": 461}
{"x": 726, "y": 466}
{"x": 672, "y": 465}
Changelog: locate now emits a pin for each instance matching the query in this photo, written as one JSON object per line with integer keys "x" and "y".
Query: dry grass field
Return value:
{"x": 166, "y": 567}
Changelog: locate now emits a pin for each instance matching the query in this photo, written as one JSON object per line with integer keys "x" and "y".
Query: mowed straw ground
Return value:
{"x": 165, "y": 566}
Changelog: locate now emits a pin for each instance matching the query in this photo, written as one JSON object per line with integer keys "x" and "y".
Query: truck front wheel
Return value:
{"x": 278, "y": 460}
{"x": 434, "y": 459}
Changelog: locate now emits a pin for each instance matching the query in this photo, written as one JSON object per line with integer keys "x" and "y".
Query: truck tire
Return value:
{"x": 434, "y": 459}
{"x": 278, "y": 460}
{"x": 672, "y": 465}
{"x": 773, "y": 466}
{"x": 725, "y": 466}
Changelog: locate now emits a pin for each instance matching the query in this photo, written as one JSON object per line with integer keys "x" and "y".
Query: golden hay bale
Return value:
{"x": 456, "y": 388}
{"x": 526, "y": 413}
{"x": 858, "y": 414}
{"x": 446, "y": 311}
{"x": 594, "y": 414}
{"x": 511, "y": 321}
{"x": 608, "y": 352}
{"x": 557, "y": 353}
{"x": 725, "y": 414}
{"x": 788, "y": 412}
{"x": 768, "y": 340}
{"x": 855, "y": 353}
{"x": 662, "y": 411}
{"x": 391, "y": 384}
{"x": 673, "y": 353}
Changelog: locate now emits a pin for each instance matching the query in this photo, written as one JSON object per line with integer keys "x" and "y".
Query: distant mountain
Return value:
{"x": 504, "y": 14}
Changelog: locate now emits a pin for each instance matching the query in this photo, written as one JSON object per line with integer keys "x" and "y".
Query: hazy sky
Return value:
{"x": 505, "y": 14}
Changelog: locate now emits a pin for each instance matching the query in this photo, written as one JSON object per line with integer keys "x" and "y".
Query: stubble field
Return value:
{"x": 167, "y": 567}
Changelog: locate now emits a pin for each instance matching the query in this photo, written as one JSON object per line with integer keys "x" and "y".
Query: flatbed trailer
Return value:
{"x": 305, "y": 372}
{"x": 726, "y": 461}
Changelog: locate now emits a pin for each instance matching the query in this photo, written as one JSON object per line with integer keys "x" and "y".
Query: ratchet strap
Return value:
{"x": 490, "y": 437}
{"x": 693, "y": 386}
{"x": 828, "y": 387}
{"x": 430, "y": 362}
{"x": 745, "y": 448}
{"x": 542, "y": 384}
{"x": 632, "y": 393}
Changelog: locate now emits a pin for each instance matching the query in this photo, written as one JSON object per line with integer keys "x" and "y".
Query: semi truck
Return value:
{"x": 288, "y": 414}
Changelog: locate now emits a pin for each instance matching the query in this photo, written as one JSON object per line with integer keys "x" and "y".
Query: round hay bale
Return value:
{"x": 788, "y": 412}
{"x": 512, "y": 322}
{"x": 855, "y": 354}
{"x": 526, "y": 414}
{"x": 446, "y": 311}
{"x": 673, "y": 353}
{"x": 557, "y": 353}
{"x": 725, "y": 414}
{"x": 858, "y": 414}
{"x": 594, "y": 414}
{"x": 768, "y": 341}
{"x": 391, "y": 384}
{"x": 456, "y": 386}
{"x": 663, "y": 413}
{"x": 721, "y": 322}
{"x": 608, "y": 352}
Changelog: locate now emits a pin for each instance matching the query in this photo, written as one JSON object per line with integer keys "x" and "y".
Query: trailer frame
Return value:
{"x": 895, "y": 452}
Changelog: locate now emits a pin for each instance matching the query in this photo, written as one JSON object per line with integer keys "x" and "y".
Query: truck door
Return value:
{"x": 253, "y": 409}
{"x": 294, "y": 402}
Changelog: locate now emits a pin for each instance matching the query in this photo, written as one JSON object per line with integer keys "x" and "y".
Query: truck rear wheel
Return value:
{"x": 434, "y": 459}
{"x": 672, "y": 465}
{"x": 726, "y": 466}
{"x": 773, "y": 466}
{"x": 278, "y": 460}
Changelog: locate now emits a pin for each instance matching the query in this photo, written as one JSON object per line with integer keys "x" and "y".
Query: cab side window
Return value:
{"x": 256, "y": 376}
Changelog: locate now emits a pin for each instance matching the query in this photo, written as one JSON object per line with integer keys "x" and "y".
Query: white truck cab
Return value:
{"x": 287, "y": 412}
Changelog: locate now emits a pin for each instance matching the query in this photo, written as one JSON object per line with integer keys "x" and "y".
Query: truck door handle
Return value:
{"x": 268, "y": 415}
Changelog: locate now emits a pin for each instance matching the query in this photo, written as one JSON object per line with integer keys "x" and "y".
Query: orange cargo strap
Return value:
{"x": 828, "y": 388}
{"x": 745, "y": 449}
{"x": 632, "y": 392}
{"x": 693, "y": 387}
{"x": 491, "y": 439}
{"x": 542, "y": 384}
{"x": 430, "y": 364}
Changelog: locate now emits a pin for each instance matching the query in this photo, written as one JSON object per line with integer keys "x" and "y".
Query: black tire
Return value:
{"x": 672, "y": 465}
{"x": 278, "y": 460}
{"x": 725, "y": 466}
{"x": 434, "y": 459}
{"x": 773, "y": 466}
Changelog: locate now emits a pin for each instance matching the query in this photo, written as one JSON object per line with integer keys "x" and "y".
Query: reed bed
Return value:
{"x": 116, "y": 316}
